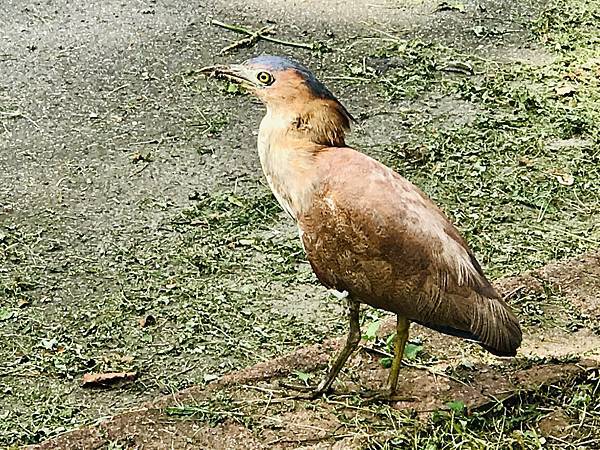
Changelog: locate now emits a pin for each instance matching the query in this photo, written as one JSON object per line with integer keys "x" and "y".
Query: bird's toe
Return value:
{"x": 383, "y": 396}
{"x": 305, "y": 392}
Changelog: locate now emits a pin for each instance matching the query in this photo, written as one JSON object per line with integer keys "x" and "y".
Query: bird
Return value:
{"x": 367, "y": 232}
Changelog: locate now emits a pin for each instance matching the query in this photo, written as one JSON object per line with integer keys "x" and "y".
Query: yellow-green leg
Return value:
{"x": 351, "y": 343}
{"x": 402, "y": 326}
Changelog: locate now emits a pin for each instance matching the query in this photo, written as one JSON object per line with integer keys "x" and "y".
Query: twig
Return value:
{"x": 566, "y": 232}
{"x": 512, "y": 293}
{"x": 118, "y": 89}
{"x": 137, "y": 172}
{"x": 375, "y": 5}
{"x": 13, "y": 115}
{"x": 257, "y": 35}
{"x": 383, "y": 32}
{"x": 151, "y": 141}
{"x": 249, "y": 41}
{"x": 415, "y": 366}
{"x": 261, "y": 389}
{"x": 326, "y": 437}
{"x": 186, "y": 370}
{"x": 435, "y": 372}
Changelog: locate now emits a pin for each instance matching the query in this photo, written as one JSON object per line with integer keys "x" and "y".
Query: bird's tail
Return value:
{"x": 496, "y": 326}
{"x": 490, "y": 323}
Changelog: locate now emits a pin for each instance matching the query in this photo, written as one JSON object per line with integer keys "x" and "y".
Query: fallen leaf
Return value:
{"x": 5, "y": 314}
{"x": 371, "y": 332}
{"x": 412, "y": 350}
{"x": 458, "y": 67}
{"x": 478, "y": 30}
{"x": 210, "y": 377}
{"x": 386, "y": 362}
{"x": 450, "y": 6}
{"x": 137, "y": 157}
{"x": 147, "y": 321}
{"x": 565, "y": 90}
{"x": 525, "y": 161}
{"x": 457, "y": 406}
{"x": 565, "y": 179}
{"x": 23, "y": 303}
{"x": 99, "y": 379}
{"x": 303, "y": 376}
{"x": 49, "y": 344}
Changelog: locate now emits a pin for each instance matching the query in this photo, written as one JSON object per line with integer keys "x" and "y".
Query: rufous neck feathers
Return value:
{"x": 322, "y": 122}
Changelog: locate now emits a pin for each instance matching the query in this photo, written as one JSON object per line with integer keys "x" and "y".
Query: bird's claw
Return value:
{"x": 386, "y": 395}
{"x": 305, "y": 392}
{"x": 296, "y": 387}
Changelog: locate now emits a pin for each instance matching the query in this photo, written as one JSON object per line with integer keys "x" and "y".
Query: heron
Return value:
{"x": 366, "y": 230}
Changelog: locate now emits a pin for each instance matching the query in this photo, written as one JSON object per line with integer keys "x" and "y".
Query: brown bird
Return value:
{"x": 366, "y": 230}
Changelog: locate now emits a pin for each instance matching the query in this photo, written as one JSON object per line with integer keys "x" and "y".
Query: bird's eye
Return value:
{"x": 265, "y": 78}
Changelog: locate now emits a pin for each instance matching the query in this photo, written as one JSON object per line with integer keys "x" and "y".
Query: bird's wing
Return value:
{"x": 373, "y": 233}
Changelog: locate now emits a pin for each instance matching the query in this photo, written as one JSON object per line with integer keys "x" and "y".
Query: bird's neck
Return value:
{"x": 289, "y": 160}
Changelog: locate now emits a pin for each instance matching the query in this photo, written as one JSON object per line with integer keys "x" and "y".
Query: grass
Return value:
{"x": 514, "y": 423}
{"x": 510, "y": 425}
{"x": 519, "y": 178}
{"x": 226, "y": 279}
{"x": 208, "y": 321}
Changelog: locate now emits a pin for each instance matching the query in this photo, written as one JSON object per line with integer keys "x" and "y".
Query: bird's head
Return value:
{"x": 289, "y": 89}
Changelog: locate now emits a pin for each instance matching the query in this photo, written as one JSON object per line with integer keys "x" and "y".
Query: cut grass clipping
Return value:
{"x": 520, "y": 178}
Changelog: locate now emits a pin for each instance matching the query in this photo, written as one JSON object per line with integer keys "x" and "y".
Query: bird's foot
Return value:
{"x": 385, "y": 395}
{"x": 305, "y": 392}
{"x": 296, "y": 387}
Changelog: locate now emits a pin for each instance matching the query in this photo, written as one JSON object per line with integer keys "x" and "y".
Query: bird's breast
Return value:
{"x": 289, "y": 171}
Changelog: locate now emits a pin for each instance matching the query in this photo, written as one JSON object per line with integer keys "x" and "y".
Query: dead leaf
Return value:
{"x": 147, "y": 321}
{"x": 210, "y": 377}
{"x": 565, "y": 90}
{"x": 565, "y": 179}
{"x": 103, "y": 379}
{"x": 525, "y": 161}
{"x": 450, "y": 6}
{"x": 458, "y": 67}
{"x": 137, "y": 157}
{"x": 23, "y": 303}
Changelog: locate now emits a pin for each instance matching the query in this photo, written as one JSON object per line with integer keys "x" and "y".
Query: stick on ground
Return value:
{"x": 255, "y": 36}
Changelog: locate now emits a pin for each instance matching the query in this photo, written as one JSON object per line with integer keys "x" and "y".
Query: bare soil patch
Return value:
{"x": 248, "y": 408}
{"x": 130, "y": 189}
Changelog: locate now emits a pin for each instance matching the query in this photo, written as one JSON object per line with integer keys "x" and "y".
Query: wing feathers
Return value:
{"x": 372, "y": 233}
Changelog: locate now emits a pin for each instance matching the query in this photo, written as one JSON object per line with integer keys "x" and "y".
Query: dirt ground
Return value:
{"x": 126, "y": 179}
{"x": 250, "y": 409}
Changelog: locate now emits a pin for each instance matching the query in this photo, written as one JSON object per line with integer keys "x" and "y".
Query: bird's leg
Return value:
{"x": 402, "y": 326}
{"x": 351, "y": 343}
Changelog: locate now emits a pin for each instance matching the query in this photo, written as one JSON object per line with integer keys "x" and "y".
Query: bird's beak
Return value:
{"x": 236, "y": 73}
